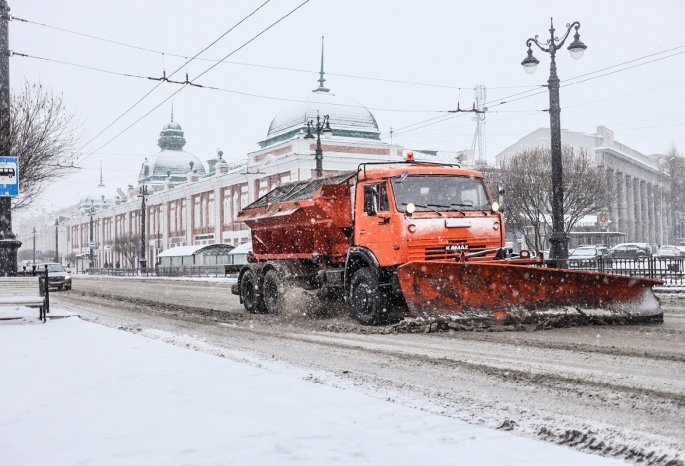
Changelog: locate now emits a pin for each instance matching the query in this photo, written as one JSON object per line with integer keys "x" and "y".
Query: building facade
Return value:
{"x": 640, "y": 184}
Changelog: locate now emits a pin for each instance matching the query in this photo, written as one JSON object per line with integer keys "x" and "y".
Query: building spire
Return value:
{"x": 101, "y": 183}
{"x": 321, "y": 79}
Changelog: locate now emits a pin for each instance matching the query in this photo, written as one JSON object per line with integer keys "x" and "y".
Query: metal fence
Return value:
{"x": 667, "y": 269}
{"x": 170, "y": 271}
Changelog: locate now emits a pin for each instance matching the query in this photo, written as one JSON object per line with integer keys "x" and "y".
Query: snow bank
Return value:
{"x": 79, "y": 393}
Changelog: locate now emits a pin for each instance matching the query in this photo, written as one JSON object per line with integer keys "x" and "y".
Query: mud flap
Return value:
{"x": 506, "y": 293}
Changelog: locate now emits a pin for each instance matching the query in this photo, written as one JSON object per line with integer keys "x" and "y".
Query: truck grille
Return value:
{"x": 434, "y": 252}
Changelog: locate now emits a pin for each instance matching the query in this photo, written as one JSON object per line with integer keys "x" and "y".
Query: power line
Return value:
{"x": 192, "y": 83}
{"x": 200, "y": 75}
{"x": 177, "y": 69}
{"x": 351, "y": 76}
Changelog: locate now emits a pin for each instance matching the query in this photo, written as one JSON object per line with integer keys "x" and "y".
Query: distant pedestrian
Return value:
{"x": 106, "y": 265}
{"x": 118, "y": 265}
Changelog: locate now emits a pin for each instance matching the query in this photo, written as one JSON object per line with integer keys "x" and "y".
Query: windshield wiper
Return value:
{"x": 429, "y": 206}
{"x": 471, "y": 206}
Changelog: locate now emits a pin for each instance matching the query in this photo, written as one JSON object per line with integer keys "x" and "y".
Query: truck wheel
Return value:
{"x": 370, "y": 308}
{"x": 272, "y": 290}
{"x": 249, "y": 292}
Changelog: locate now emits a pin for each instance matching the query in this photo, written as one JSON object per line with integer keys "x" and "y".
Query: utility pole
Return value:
{"x": 8, "y": 241}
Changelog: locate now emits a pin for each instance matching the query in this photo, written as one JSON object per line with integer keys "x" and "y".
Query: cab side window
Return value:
{"x": 384, "y": 205}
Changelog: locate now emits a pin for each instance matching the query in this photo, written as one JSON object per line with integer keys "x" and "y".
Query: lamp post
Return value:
{"x": 143, "y": 192}
{"x": 320, "y": 127}
{"x": 559, "y": 239}
{"x": 90, "y": 243}
{"x": 34, "y": 246}
{"x": 56, "y": 240}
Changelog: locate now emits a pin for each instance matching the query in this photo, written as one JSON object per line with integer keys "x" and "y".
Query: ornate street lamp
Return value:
{"x": 320, "y": 127}
{"x": 34, "y": 246}
{"x": 144, "y": 192}
{"x": 559, "y": 239}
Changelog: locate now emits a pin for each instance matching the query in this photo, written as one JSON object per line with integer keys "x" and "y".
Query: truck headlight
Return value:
{"x": 411, "y": 228}
{"x": 67, "y": 277}
{"x": 495, "y": 226}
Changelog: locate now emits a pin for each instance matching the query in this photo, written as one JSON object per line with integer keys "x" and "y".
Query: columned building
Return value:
{"x": 640, "y": 183}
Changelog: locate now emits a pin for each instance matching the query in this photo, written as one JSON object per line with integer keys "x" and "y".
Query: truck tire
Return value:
{"x": 249, "y": 293}
{"x": 370, "y": 307}
{"x": 273, "y": 291}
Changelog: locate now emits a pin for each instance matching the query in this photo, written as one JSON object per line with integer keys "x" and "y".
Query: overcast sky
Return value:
{"x": 439, "y": 49}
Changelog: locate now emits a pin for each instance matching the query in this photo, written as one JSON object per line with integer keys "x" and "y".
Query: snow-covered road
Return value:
{"x": 75, "y": 392}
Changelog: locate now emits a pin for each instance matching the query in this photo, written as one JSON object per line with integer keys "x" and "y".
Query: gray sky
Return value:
{"x": 448, "y": 44}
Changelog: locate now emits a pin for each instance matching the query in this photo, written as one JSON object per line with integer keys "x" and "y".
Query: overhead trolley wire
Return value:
{"x": 343, "y": 75}
{"x": 174, "y": 72}
{"x": 201, "y": 74}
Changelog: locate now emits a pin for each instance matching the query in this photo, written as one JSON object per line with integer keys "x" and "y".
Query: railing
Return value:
{"x": 170, "y": 271}
{"x": 670, "y": 270}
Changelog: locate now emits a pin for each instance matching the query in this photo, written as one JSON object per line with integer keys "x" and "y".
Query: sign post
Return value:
{"x": 8, "y": 241}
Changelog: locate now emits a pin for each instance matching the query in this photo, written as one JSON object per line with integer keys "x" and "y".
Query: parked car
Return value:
{"x": 58, "y": 277}
{"x": 646, "y": 247}
{"x": 587, "y": 256}
{"x": 628, "y": 251}
{"x": 669, "y": 251}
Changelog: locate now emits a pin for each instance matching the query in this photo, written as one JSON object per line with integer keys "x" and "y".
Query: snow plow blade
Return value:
{"x": 504, "y": 293}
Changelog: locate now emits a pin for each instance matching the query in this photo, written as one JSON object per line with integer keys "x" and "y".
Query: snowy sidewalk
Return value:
{"x": 73, "y": 392}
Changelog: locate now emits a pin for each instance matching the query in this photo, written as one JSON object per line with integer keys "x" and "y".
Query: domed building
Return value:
{"x": 172, "y": 162}
{"x": 347, "y": 118}
{"x": 100, "y": 198}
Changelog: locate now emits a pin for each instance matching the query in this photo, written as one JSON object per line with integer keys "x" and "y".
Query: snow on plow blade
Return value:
{"x": 509, "y": 294}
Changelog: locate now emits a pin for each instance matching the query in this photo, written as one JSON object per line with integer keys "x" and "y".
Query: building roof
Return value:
{"x": 347, "y": 118}
{"x": 172, "y": 161}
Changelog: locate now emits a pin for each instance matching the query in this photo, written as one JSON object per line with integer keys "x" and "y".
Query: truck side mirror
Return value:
{"x": 370, "y": 200}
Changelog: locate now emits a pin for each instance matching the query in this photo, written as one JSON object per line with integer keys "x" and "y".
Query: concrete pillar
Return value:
{"x": 618, "y": 214}
{"x": 629, "y": 207}
{"x": 637, "y": 208}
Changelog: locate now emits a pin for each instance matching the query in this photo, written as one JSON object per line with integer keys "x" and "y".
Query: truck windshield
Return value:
{"x": 440, "y": 192}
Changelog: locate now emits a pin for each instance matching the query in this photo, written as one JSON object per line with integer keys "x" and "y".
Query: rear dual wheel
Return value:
{"x": 273, "y": 291}
{"x": 267, "y": 298}
{"x": 249, "y": 293}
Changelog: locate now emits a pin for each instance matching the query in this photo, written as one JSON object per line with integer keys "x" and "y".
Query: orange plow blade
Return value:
{"x": 506, "y": 293}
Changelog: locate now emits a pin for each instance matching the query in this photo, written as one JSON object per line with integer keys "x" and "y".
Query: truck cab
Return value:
{"x": 425, "y": 212}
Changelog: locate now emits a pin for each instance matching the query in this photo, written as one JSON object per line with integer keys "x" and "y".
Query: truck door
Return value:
{"x": 374, "y": 226}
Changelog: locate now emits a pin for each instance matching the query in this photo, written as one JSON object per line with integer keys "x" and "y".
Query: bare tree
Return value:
{"x": 45, "y": 136}
{"x": 528, "y": 184}
{"x": 128, "y": 245}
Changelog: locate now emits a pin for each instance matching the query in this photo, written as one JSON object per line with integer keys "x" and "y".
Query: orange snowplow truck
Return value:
{"x": 417, "y": 238}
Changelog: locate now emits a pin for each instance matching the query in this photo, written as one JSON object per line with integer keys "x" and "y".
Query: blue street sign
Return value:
{"x": 9, "y": 176}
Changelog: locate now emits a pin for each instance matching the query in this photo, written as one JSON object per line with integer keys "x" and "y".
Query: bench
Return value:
{"x": 26, "y": 291}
